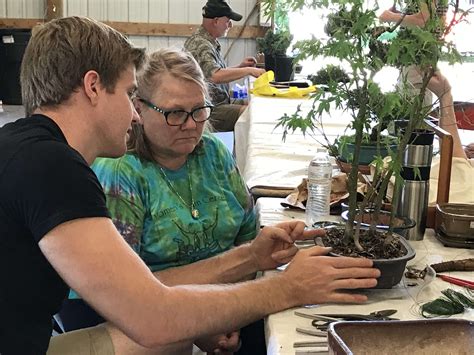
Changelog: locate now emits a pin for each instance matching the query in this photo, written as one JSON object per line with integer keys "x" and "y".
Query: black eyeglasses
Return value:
{"x": 179, "y": 117}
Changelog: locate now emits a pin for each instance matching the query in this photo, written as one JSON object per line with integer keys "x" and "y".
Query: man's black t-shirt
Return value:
{"x": 43, "y": 183}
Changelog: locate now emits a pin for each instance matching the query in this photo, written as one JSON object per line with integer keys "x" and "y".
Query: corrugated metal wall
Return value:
{"x": 150, "y": 11}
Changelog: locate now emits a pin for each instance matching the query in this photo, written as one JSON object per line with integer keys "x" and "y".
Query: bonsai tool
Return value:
{"x": 316, "y": 333}
{"x": 322, "y": 321}
{"x": 304, "y": 344}
{"x": 457, "y": 281}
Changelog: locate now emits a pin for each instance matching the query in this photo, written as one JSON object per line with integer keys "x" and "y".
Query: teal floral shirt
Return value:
{"x": 158, "y": 225}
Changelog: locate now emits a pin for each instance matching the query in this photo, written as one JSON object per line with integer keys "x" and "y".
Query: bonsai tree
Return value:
{"x": 274, "y": 43}
{"x": 330, "y": 73}
{"x": 274, "y": 46}
{"x": 356, "y": 40}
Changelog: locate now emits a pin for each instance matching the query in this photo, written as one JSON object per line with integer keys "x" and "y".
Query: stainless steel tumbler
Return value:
{"x": 413, "y": 203}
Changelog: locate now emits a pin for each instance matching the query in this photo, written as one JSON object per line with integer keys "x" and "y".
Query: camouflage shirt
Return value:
{"x": 207, "y": 52}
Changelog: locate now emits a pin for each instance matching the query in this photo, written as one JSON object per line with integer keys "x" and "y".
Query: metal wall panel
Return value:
{"x": 155, "y": 43}
{"x": 35, "y": 8}
{"x": 158, "y": 11}
{"x": 117, "y": 10}
{"x": 138, "y": 11}
{"x": 178, "y": 11}
{"x": 3, "y": 8}
{"x": 150, "y": 11}
{"x": 139, "y": 41}
{"x": 15, "y": 9}
{"x": 97, "y": 9}
{"x": 195, "y": 11}
{"x": 76, "y": 8}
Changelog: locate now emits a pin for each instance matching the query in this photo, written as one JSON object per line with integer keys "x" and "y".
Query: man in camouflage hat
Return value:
{"x": 206, "y": 49}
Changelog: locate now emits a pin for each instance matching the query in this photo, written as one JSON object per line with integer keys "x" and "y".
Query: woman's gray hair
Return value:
{"x": 177, "y": 63}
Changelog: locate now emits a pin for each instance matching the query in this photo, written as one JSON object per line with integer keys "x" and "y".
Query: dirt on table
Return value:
{"x": 373, "y": 243}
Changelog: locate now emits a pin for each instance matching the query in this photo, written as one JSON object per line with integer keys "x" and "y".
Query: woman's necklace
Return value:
{"x": 192, "y": 207}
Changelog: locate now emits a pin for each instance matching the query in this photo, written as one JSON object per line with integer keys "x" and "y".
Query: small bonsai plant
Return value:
{"x": 354, "y": 39}
{"x": 274, "y": 46}
{"x": 274, "y": 42}
{"x": 330, "y": 73}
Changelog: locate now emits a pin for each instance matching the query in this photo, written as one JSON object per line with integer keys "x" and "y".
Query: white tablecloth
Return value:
{"x": 280, "y": 328}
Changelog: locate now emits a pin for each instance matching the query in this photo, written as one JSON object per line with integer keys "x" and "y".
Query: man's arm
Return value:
{"x": 231, "y": 266}
{"x": 227, "y": 75}
{"x": 91, "y": 256}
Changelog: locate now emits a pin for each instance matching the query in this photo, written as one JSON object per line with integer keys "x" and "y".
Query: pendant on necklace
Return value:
{"x": 195, "y": 213}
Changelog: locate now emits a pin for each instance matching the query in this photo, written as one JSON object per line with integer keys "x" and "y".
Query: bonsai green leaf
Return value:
{"x": 355, "y": 41}
{"x": 295, "y": 122}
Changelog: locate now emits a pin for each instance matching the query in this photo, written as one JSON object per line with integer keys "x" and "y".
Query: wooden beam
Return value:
{"x": 54, "y": 9}
{"x": 11, "y": 23}
{"x": 146, "y": 29}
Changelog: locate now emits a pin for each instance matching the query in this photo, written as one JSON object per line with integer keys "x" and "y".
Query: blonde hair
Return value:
{"x": 176, "y": 63}
{"x": 61, "y": 51}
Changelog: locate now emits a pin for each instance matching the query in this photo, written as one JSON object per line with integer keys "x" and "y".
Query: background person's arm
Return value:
{"x": 227, "y": 75}
{"x": 93, "y": 258}
{"x": 247, "y": 62}
{"x": 441, "y": 87}
{"x": 415, "y": 20}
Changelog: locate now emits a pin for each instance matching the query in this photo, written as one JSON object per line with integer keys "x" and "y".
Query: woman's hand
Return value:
{"x": 274, "y": 246}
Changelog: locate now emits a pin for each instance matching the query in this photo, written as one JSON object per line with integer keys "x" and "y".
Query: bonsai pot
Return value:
{"x": 346, "y": 167}
{"x": 433, "y": 336}
{"x": 283, "y": 68}
{"x": 401, "y": 224}
{"x": 455, "y": 220}
{"x": 269, "y": 62}
{"x": 367, "y": 152}
{"x": 391, "y": 269}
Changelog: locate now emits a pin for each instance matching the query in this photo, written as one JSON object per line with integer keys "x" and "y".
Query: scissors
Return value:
{"x": 322, "y": 321}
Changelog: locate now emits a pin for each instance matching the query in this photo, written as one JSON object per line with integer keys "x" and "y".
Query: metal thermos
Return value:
{"x": 413, "y": 199}
{"x": 413, "y": 204}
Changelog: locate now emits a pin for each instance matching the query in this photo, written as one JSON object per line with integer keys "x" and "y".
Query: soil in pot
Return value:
{"x": 390, "y": 259}
{"x": 372, "y": 242}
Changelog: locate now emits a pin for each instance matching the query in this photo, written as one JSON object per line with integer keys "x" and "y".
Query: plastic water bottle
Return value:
{"x": 319, "y": 188}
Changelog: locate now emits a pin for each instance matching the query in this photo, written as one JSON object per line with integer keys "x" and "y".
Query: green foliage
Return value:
{"x": 358, "y": 41}
{"x": 452, "y": 302}
{"x": 274, "y": 43}
{"x": 329, "y": 73}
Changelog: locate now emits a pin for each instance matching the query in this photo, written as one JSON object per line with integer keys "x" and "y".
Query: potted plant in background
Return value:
{"x": 354, "y": 39}
{"x": 274, "y": 45}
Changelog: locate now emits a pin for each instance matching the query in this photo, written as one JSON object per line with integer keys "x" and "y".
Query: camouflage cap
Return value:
{"x": 219, "y": 8}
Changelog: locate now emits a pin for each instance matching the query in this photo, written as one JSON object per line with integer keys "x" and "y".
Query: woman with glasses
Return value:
{"x": 177, "y": 196}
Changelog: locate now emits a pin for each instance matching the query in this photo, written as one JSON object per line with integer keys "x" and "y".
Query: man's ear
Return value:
{"x": 92, "y": 85}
